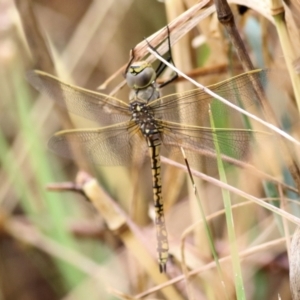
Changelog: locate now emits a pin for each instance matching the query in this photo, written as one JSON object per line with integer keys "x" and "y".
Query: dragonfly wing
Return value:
{"x": 102, "y": 108}
{"x": 234, "y": 144}
{"x": 107, "y": 146}
{"x": 191, "y": 107}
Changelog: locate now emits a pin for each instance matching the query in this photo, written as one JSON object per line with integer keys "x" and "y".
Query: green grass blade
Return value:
{"x": 51, "y": 207}
{"x": 239, "y": 285}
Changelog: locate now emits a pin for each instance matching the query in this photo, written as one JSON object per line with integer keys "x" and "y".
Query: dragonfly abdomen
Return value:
{"x": 161, "y": 231}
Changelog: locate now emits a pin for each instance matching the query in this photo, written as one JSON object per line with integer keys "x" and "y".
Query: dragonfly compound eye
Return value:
{"x": 140, "y": 75}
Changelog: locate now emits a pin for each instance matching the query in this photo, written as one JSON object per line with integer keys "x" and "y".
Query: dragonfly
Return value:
{"x": 148, "y": 125}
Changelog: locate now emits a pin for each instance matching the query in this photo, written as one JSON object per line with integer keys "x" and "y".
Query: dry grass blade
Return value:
{"x": 226, "y": 18}
{"x": 294, "y": 265}
{"x": 105, "y": 247}
{"x": 118, "y": 224}
{"x": 34, "y": 37}
{"x": 232, "y": 189}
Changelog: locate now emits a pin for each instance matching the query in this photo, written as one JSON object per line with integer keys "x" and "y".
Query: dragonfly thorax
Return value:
{"x": 143, "y": 116}
{"x": 139, "y": 75}
{"x": 145, "y": 95}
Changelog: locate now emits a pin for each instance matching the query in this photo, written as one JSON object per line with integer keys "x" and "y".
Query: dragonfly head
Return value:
{"x": 140, "y": 75}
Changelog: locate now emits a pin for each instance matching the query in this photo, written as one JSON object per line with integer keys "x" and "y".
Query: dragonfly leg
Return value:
{"x": 130, "y": 61}
{"x": 161, "y": 67}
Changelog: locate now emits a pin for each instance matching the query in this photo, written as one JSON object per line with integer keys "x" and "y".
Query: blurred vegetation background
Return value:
{"x": 54, "y": 244}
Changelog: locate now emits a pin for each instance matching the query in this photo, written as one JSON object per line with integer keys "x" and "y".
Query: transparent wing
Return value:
{"x": 191, "y": 107}
{"x": 196, "y": 141}
{"x": 102, "y": 108}
{"x": 120, "y": 144}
